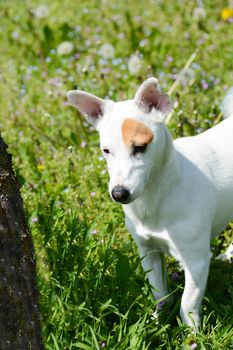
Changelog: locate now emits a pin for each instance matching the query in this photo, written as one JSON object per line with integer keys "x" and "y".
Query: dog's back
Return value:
{"x": 212, "y": 153}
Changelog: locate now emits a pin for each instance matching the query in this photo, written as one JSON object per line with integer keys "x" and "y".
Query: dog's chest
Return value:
{"x": 149, "y": 238}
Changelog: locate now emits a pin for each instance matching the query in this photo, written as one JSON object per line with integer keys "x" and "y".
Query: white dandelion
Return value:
{"x": 186, "y": 76}
{"x": 199, "y": 13}
{"x": 107, "y": 51}
{"x": 65, "y": 48}
{"x": 134, "y": 64}
{"x": 41, "y": 11}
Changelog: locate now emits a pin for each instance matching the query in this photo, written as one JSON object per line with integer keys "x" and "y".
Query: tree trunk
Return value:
{"x": 19, "y": 315}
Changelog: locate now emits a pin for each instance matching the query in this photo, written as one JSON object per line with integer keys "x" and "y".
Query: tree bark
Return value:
{"x": 19, "y": 316}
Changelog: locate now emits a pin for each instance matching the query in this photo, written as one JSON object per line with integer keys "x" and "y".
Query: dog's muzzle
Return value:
{"x": 120, "y": 194}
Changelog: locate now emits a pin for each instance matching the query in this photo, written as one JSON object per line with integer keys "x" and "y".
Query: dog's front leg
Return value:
{"x": 196, "y": 273}
{"x": 153, "y": 264}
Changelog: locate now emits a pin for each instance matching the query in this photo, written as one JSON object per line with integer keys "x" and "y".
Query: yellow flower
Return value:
{"x": 40, "y": 167}
{"x": 227, "y": 13}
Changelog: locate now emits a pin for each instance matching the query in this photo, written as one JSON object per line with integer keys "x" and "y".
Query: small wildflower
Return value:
{"x": 195, "y": 65}
{"x": 175, "y": 276}
{"x": 134, "y": 64}
{"x": 155, "y": 315}
{"x": 65, "y": 48}
{"x": 137, "y": 18}
{"x": 161, "y": 304}
{"x": 200, "y": 41}
{"x": 199, "y": 13}
{"x": 226, "y": 14}
{"x": 193, "y": 346}
{"x": 169, "y": 59}
{"x": 83, "y": 144}
{"x": 93, "y": 232}
{"x": 154, "y": 24}
{"x": 204, "y": 85}
{"x": 121, "y": 36}
{"x": 93, "y": 194}
{"x": 40, "y": 167}
{"x": 41, "y": 11}
{"x": 216, "y": 81}
{"x": 55, "y": 82}
{"x": 78, "y": 29}
{"x": 102, "y": 344}
{"x": 35, "y": 219}
{"x": 104, "y": 71}
{"x": 143, "y": 43}
{"x": 116, "y": 61}
{"x": 15, "y": 35}
{"x": 107, "y": 51}
{"x": 186, "y": 76}
{"x": 87, "y": 42}
{"x": 77, "y": 56}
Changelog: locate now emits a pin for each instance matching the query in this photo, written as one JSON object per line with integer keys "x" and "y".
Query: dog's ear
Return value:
{"x": 149, "y": 96}
{"x": 92, "y": 107}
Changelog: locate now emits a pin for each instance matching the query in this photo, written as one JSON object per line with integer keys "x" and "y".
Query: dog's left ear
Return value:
{"x": 149, "y": 96}
{"x": 92, "y": 107}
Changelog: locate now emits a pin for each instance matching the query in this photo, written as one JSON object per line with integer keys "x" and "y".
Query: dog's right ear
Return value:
{"x": 92, "y": 107}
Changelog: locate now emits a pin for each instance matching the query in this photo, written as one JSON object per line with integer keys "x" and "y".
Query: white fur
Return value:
{"x": 181, "y": 192}
{"x": 227, "y": 104}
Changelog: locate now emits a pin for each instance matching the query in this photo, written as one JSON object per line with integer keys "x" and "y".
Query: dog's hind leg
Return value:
{"x": 196, "y": 273}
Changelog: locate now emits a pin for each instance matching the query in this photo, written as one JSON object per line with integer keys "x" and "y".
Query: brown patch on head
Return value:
{"x": 136, "y": 133}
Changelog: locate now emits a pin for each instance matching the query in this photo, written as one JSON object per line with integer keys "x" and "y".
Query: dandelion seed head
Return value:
{"x": 41, "y": 11}
{"x": 65, "y": 48}
{"x": 186, "y": 76}
{"x": 134, "y": 64}
{"x": 106, "y": 51}
{"x": 199, "y": 13}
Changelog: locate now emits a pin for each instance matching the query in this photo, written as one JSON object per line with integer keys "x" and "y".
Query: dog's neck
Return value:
{"x": 164, "y": 175}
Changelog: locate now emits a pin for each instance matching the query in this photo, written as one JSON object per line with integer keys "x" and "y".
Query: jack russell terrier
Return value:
{"x": 176, "y": 195}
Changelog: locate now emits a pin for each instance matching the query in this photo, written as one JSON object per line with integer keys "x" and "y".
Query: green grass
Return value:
{"x": 93, "y": 292}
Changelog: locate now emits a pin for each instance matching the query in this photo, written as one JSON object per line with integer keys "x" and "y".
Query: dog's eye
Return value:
{"x": 106, "y": 150}
{"x": 139, "y": 149}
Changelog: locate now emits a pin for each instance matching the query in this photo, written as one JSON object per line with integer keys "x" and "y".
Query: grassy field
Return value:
{"x": 93, "y": 292}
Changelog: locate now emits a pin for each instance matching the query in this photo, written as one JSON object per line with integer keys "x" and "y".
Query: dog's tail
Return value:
{"x": 227, "y": 104}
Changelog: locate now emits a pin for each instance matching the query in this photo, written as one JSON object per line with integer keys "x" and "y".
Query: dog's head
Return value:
{"x": 132, "y": 135}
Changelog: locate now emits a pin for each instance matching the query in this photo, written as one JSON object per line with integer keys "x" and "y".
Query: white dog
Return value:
{"x": 176, "y": 195}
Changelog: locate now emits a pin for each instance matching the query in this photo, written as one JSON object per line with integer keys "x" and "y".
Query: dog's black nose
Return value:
{"x": 120, "y": 194}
